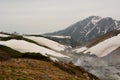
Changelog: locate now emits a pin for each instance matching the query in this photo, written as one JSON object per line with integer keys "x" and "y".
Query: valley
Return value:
{"x": 91, "y": 52}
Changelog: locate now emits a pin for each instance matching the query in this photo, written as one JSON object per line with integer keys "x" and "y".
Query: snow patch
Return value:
{"x": 104, "y": 48}
{"x": 116, "y": 23}
{"x": 87, "y": 25}
{"x": 99, "y": 29}
{"x": 67, "y": 37}
{"x": 24, "y": 46}
{"x": 95, "y": 20}
{"x": 89, "y": 31}
{"x": 3, "y": 35}
{"x": 74, "y": 30}
{"x": 118, "y": 29}
{"x": 54, "y": 59}
{"x": 48, "y": 43}
{"x": 80, "y": 49}
{"x": 105, "y": 31}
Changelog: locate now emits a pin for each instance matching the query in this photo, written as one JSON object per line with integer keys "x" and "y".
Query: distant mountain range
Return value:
{"x": 89, "y": 29}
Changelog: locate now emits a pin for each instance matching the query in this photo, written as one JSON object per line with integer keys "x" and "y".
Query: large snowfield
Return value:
{"x": 48, "y": 43}
{"x": 24, "y": 46}
{"x": 103, "y": 48}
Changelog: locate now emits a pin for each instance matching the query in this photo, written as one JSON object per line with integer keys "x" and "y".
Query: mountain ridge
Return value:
{"x": 82, "y": 31}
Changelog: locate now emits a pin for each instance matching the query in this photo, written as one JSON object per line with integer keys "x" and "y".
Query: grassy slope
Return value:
{"x": 29, "y": 69}
{"x": 37, "y": 68}
{"x": 6, "y": 52}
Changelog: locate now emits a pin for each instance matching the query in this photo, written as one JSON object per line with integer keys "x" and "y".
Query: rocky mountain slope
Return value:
{"x": 89, "y": 29}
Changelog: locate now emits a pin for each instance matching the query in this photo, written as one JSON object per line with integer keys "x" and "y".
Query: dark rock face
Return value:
{"x": 89, "y": 29}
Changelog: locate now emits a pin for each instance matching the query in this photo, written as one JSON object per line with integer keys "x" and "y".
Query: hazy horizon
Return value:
{"x": 43, "y": 16}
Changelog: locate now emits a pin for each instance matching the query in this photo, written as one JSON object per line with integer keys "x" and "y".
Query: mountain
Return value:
{"x": 101, "y": 56}
{"x": 89, "y": 29}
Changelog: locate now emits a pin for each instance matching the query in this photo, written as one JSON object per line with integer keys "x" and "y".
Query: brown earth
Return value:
{"x": 30, "y": 69}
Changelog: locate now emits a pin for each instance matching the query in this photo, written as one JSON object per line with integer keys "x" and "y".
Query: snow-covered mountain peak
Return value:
{"x": 89, "y": 29}
{"x": 96, "y": 19}
{"x": 93, "y": 19}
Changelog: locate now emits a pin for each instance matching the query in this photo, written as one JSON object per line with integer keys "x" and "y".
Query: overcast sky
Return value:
{"x": 41, "y": 16}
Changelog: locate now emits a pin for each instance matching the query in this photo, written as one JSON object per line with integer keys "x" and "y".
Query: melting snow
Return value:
{"x": 74, "y": 30}
{"x": 104, "y": 48}
{"x": 54, "y": 59}
{"x": 80, "y": 49}
{"x": 87, "y": 25}
{"x": 48, "y": 43}
{"x": 3, "y": 35}
{"x": 118, "y": 29}
{"x": 95, "y": 20}
{"x": 89, "y": 31}
{"x": 105, "y": 31}
{"x": 24, "y": 46}
{"x": 68, "y": 37}
{"x": 116, "y": 23}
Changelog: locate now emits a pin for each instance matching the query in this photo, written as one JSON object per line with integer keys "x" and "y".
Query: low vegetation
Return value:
{"x": 31, "y": 69}
{"x": 15, "y": 54}
{"x": 34, "y": 66}
{"x": 17, "y": 37}
{"x": 75, "y": 70}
